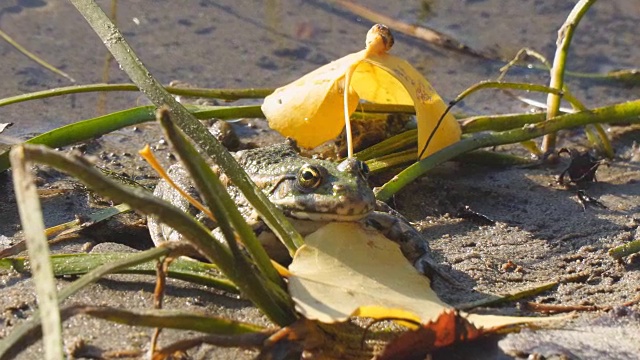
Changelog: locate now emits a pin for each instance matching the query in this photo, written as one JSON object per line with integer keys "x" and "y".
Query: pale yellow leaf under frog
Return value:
{"x": 345, "y": 270}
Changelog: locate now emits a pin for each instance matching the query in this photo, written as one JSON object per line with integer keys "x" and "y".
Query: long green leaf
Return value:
{"x": 33, "y": 225}
{"x": 173, "y": 319}
{"x": 29, "y": 332}
{"x": 224, "y": 94}
{"x": 196, "y": 272}
{"x": 625, "y": 112}
{"x": 264, "y": 287}
{"x": 91, "y": 128}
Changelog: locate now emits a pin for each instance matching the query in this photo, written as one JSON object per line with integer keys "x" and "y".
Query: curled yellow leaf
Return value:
{"x": 388, "y": 79}
{"x": 312, "y": 108}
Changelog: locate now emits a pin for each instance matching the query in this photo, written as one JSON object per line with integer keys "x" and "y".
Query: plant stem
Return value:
{"x": 499, "y": 122}
{"x": 42, "y": 270}
{"x": 506, "y": 85}
{"x": 625, "y": 112}
{"x": 34, "y": 57}
{"x": 223, "y": 94}
{"x": 493, "y": 300}
{"x": 133, "y": 66}
{"x": 627, "y": 249}
{"x": 87, "y": 129}
{"x": 565, "y": 34}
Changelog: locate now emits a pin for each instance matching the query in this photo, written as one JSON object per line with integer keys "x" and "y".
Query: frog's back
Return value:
{"x": 268, "y": 159}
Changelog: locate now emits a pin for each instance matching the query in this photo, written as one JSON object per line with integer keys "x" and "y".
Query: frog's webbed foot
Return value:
{"x": 414, "y": 247}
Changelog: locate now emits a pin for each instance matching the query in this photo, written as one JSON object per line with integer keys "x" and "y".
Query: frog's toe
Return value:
{"x": 428, "y": 267}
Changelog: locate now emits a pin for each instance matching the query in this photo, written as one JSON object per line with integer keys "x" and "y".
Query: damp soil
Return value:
{"x": 539, "y": 231}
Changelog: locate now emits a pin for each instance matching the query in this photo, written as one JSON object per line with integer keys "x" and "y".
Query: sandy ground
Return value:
{"x": 539, "y": 227}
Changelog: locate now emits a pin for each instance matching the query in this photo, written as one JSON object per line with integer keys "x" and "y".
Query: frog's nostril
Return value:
{"x": 338, "y": 188}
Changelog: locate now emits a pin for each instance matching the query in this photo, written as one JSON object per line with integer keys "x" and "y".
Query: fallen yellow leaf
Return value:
{"x": 345, "y": 270}
{"x": 387, "y": 79}
{"x": 334, "y": 278}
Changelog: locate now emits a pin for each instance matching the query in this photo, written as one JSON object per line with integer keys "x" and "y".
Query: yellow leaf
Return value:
{"x": 376, "y": 85}
{"x": 310, "y": 109}
{"x": 346, "y": 270}
{"x": 429, "y": 105}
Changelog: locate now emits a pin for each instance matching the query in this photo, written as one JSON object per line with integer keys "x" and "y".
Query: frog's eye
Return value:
{"x": 364, "y": 169}
{"x": 309, "y": 177}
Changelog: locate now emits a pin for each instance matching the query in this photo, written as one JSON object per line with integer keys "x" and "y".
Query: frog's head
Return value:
{"x": 321, "y": 190}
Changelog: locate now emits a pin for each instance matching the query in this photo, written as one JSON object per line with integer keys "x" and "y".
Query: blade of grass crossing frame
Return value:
{"x": 34, "y": 232}
{"x": 27, "y": 333}
{"x": 264, "y": 287}
{"x": 133, "y": 66}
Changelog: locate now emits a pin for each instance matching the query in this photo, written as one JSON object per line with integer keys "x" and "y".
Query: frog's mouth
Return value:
{"x": 319, "y": 207}
{"x": 318, "y": 216}
{"x": 314, "y": 211}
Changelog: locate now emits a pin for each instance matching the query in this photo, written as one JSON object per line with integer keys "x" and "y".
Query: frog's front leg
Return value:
{"x": 415, "y": 248}
{"x": 269, "y": 241}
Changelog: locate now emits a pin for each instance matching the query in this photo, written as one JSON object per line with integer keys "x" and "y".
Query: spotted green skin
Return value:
{"x": 342, "y": 195}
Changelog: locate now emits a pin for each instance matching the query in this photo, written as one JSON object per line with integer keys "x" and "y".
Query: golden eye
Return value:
{"x": 309, "y": 177}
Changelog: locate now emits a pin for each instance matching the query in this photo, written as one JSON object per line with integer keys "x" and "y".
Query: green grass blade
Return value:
{"x": 29, "y": 332}
{"x": 223, "y": 94}
{"x": 499, "y": 122}
{"x": 393, "y": 160}
{"x": 33, "y": 225}
{"x": 34, "y": 57}
{"x": 195, "y": 272}
{"x": 493, "y": 300}
{"x": 394, "y": 143}
{"x": 627, "y": 249}
{"x": 132, "y": 65}
{"x": 598, "y": 138}
{"x": 476, "y": 157}
{"x": 173, "y": 319}
{"x": 87, "y": 129}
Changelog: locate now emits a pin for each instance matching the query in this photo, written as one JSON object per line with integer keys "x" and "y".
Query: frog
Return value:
{"x": 310, "y": 193}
